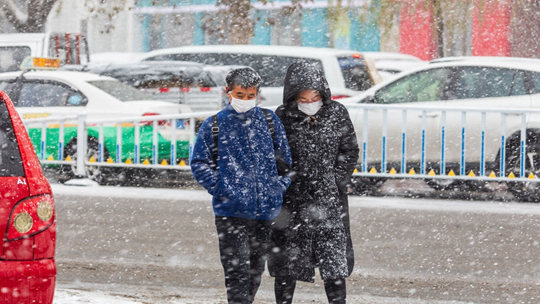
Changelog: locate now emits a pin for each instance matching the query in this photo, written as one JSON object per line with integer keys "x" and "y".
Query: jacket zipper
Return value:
{"x": 252, "y": 174}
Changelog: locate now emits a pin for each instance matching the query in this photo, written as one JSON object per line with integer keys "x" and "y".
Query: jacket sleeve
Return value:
{"x": 202, "y": 161}
{"x": 348, "y": 151}
{"x": 282, "y": 152}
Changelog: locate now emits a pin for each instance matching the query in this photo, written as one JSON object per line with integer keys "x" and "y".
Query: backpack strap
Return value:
{"x": 215, "y": 133}
{"x": 269, "y": 121}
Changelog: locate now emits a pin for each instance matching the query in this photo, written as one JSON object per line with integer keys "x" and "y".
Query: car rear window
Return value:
{"x": 536, "y": 80}
{"x": 271, "y": 68}
{"x": 120, "y": 90}
{"x": 356, "y": 73}
{"x": 12, "y": 56}
{"x": 157, "y": 75}
{"x": 10, "y": 157}
{"x": 9, "y": 86}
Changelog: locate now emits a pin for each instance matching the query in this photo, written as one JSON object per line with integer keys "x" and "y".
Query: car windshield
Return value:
{"x": 10, "y": 157}
{"x": 536, "y": 81}
{"x": 355, "y": 73}
{"x": 121, "y": 91}
{"x": 429, "y": 85}
{"x": 12, "y": 56}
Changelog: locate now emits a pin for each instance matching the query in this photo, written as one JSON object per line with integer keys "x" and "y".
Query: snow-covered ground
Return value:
{"x": 83, "y": 293}
{"x": 73, "y": 296}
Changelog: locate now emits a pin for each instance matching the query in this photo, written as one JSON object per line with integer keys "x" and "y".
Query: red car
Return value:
{"x": 27, "y": 216}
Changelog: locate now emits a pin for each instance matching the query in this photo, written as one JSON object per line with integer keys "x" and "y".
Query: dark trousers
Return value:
{"x": 243, "y": 245}
{"x": 336, "y": 290}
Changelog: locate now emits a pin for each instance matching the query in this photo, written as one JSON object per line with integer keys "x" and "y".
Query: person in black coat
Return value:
{"x": 312, "y": 229}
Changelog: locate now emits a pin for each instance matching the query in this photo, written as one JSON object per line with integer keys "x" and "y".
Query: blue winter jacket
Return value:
{"x": 246, "y": 183}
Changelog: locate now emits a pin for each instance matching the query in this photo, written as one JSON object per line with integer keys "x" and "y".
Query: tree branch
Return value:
{"x": 10, "y": 11}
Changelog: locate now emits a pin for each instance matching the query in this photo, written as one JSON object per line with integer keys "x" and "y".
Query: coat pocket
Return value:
{"x": 221, "y": 192}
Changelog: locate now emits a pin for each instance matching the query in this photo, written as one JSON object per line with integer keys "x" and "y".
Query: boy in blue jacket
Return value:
{"x": 236, "y": 158}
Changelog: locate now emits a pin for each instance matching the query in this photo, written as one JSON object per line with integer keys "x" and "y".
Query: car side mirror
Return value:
{"x": 369, "y": 99}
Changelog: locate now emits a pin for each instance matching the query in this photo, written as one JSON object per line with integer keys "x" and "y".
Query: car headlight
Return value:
{"x": 23, "y": 222}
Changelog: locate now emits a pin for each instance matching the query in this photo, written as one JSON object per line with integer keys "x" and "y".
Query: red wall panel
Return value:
{"x": 416, "y": 32}
{"x": 491, "y": 28}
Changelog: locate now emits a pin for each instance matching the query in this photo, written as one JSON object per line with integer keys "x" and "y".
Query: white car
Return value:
{"x": 347, "y": 72}
{"x": 60, "y": 93}
{"x": 389, "y": 64}
{"x": 455, "y": 84}
{"x": 57, "y": 94}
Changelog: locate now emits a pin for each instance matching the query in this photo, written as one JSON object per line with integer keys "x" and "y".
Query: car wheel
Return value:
{"x": 95, "y": 173}
{"x": 526, "y": 191}
{"x": 366, "y": 185}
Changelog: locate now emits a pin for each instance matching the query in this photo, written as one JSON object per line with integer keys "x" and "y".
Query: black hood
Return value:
{"x": 304, "y": 76}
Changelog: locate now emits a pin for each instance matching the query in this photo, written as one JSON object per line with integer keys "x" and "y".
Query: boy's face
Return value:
{"x": 239, "y": 92}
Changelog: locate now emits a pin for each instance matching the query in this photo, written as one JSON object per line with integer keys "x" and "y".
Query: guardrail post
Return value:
{"x": 462, "y": 169}
{"x": 523, "y": 145}
{"x": 423, "y": 144}
{"x": 43, "y": 142}
{"x": 173, "y": 142}
{"x": 383, "y": 141}
{"x": 502, "y": 159}
{"x": 61, "y": 140}
{"x": 483, "y": 146}
{"x": 442, "y": 169}
{"x": 365, "y": 141}
{"x": 81, "y": 145}
{"x": 403, "y": 141}
{"x": 155, "y": 155}
{"x": 191, "y": 137}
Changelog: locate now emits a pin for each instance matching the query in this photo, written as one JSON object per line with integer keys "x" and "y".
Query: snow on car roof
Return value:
{"x": 391, "y": 56}
{"x": 294, "y": 51}
{"x": 511, "y": 62}
{"x": 64, "y": 75}
{"x": 531, "y": 64}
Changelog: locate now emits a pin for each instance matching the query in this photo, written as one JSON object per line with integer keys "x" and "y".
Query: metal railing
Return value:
{"x": 395, "y": 141}
{"x": 522, "y": 120}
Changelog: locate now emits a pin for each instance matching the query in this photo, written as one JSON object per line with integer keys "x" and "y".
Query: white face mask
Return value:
{"x": 310, "y": 108}
{"x": 242, "y": 106}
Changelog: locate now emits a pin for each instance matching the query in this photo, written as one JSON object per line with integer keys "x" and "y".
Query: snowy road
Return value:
{"x": 134, "y": 245}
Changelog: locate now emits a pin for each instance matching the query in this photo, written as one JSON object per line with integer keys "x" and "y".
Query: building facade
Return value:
{"x": 501, "y": 29}
{"x": 315, "y": 24}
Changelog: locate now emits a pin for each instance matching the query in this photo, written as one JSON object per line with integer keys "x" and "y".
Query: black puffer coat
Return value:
{"x": 312, "y": 229}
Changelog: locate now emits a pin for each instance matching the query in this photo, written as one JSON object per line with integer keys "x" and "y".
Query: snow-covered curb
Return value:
{"x": 94, "y": 190}
{"x": 389, "y": 202}
{"x": 73, "y": 296}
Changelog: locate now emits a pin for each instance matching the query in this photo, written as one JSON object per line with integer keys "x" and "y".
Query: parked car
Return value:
{"x": 56, "y": 94}
{"x": 347, "y": 72}
{"x": 70, "y": 48}
{"x": 27, "y": 216}
{"x": 460, "y": 83}
{"x": 199, "y": 86}
{"x": 389, "y": 64}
